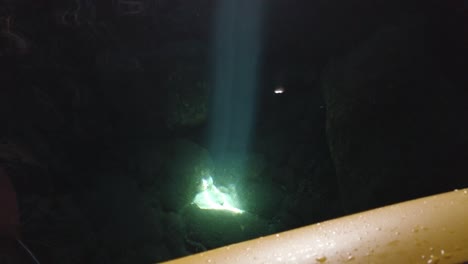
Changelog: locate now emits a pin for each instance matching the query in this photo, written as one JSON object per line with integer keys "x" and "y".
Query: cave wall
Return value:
{"x": 395, "y": 106}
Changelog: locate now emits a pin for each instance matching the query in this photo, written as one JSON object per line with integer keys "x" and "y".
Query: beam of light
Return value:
{"x": 237, "y": 35}
{"x": 211, "y": 197}
{"x": 236, "y": 59}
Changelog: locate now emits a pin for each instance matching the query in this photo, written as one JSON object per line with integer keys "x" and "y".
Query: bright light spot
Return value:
{"x": 279, "y": 90}
{"x": 211, "y": 197}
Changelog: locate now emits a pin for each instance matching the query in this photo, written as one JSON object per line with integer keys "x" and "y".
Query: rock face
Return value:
{"x": 187, "y": 104}
{"x": 392, "y": 120}
{"x": 185, "y": 164}
{"x": 218, "y": 228}
{"x": 9, "y": 214}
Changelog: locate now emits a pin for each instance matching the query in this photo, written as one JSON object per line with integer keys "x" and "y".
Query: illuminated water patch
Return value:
{"x": 211, "y": 197}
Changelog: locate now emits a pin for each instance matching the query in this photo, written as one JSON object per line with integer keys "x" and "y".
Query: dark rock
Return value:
{"x": 212, "y": 228}
{"x": 187, "y": 104}
{"x": 389, "y": 123}
{"x": 260, "y": 198}
{"x": 121, "y": 218}
{"x": 185, "y": 165}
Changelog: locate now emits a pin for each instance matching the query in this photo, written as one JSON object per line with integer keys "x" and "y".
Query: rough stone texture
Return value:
{"x": 393, "y": 120}
{"x": 113, "y": 205}
{"x": 260, "y": 197}
{"x": 185, "y": 163}
{"x": 187, "y": 104}
{"x": 211, "y": 229}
